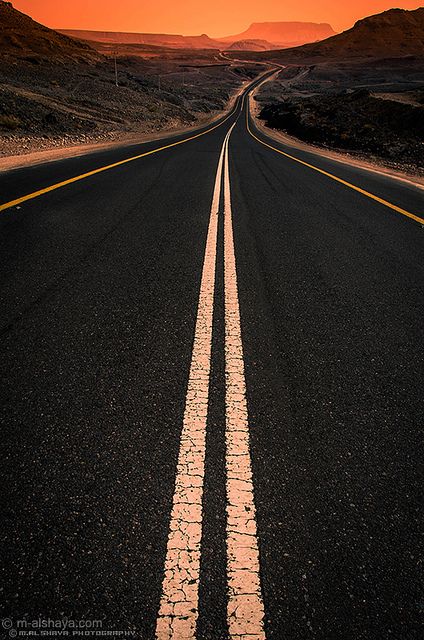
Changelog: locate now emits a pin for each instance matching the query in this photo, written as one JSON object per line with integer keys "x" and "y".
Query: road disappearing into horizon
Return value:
{"x": 212, "y": 391}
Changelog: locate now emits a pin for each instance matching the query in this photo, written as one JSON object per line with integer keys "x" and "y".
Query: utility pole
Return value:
{"x": 116, "y": 72}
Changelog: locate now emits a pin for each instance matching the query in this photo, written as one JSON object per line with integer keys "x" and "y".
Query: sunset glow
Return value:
{"x": 220, "y": 18}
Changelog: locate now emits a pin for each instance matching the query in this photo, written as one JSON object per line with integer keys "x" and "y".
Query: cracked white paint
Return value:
{"x": 245, "y": 611}
{"x": 178, "y": 610}
{"x": 178, "y": 613}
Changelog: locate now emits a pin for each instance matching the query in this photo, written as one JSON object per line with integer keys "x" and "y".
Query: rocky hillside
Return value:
{"x": 56, "y": 91}
{"x": 358, "y": 122}
{"x": 392, "y": 34}
{"x": 23, "y": 38}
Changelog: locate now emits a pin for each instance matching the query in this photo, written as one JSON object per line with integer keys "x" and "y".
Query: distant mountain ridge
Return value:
{"x": 259, "y": 36}
{"x": 171, "y": 40}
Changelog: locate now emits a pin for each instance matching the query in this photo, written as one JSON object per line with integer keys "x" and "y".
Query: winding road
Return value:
{"x": 212, "y": 405}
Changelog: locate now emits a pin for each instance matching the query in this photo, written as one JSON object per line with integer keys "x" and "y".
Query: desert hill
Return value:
{"x": 251, "y": 45}
{"x": 392, "y": 34}
{"x": 21, "y": 37}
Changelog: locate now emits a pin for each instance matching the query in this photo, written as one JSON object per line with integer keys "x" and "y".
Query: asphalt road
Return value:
{"x": 107, "y": 359}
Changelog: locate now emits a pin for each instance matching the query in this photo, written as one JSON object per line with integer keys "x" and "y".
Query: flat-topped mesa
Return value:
{"x": 284, "y": 33}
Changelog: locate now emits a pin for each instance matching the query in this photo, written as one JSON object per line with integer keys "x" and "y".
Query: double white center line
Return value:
{"x": 245, "y": 611}
{"x": 178, "y": 611}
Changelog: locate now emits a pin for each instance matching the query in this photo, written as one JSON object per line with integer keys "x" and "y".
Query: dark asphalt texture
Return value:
{"x": 98, "y": 299}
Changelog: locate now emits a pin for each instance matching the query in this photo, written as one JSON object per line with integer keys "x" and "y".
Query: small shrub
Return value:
{"x": 9, "y": 122}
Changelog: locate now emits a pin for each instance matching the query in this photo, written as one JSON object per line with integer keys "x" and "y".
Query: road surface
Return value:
{"x": 212, "y": 392}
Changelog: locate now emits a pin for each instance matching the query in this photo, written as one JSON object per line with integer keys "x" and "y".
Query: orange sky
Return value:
{"x": 217, "y": 18}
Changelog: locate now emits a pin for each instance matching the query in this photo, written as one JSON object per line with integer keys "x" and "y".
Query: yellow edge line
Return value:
{"x": 58, "y": 185}
{"x": 333, "y": 177}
